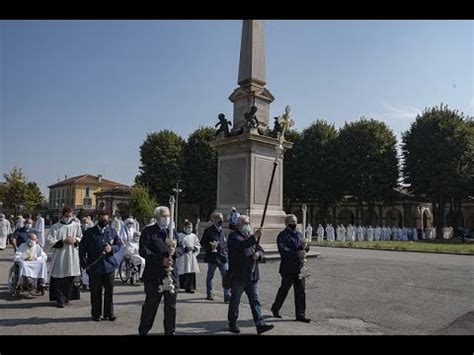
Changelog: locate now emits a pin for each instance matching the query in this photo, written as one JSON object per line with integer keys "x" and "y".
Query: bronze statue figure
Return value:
{"x": 224, "y": 125}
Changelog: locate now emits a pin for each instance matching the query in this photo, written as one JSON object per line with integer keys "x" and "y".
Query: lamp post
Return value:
{"x": 177, "y": 190}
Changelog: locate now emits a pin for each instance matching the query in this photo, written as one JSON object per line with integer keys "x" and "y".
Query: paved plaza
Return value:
{"x": 350, "y": 292}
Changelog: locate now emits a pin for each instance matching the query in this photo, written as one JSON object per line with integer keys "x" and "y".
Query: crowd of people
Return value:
{"x": 89, "y": 253}
{"x": 351, "y": 233}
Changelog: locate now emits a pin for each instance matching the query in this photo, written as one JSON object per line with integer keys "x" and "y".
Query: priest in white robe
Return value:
{"x": 377, "y": 233}
{"x": 404, "y": 234}
{"x": 5, "y": 231}
{"x": 350, "y": 233}
{"x": 117, "y": 224}
{"x": 340, "y": 233}
{"x": 39, "y": 228}
{"x": 320, "y": 233}
{"x": 64, "y": 237}
{"x": 32, "y": 262}
{"x": 360, "y": 233}
{"x": 187, "y": 263}
{"x": 330, "y": 232}
{"x": 309, "y": 232}
{"x": 370, "y": 234}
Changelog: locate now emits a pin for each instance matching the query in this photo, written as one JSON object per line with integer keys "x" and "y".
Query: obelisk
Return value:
{"x": 245, "y": 157}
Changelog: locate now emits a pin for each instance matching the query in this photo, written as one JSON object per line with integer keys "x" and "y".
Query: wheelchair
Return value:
{"x": 16, "y": 283}
{"x": 128, "y": 271}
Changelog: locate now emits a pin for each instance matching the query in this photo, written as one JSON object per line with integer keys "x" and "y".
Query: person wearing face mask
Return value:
{"x": 292, "y": 252}
{"x": 96, "y": 252}
{"x": 20, "y": 222}
{"x": 32, "y": 262}
{"x": 187, "y": 263}
{"x": 128, "y": 230}
{"x": 154, "y": 250}
{"x": 5, "y": 231}
{"x": 244, "y": 257}
{"x": 20, "y": 235}
{"x": 132, "y": 249}
{"x": 64, "y": 237}
{"x": 39, "y": 227}
{"x": 214, "y": 242}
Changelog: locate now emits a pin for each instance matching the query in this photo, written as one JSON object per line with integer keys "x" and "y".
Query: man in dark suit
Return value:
{"x": 244, "y": 256}
{"x": 292, "y": 252}
{"x": 215, "y": 244}
{"x": 97, "y": 251}
{"x": 153, "y": 248}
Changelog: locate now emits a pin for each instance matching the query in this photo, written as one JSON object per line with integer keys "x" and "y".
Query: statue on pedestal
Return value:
{"x": 224, "y": 125}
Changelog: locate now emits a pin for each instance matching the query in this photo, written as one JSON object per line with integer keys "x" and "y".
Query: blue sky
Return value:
{"x": 80, "y": 96}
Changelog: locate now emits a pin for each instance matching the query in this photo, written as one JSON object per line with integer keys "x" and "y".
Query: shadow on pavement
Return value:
{"x": 35, "y": 320}
{"x": 211, "y": 327}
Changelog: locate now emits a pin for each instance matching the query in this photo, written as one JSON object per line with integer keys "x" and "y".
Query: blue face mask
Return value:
{"x": 164, "y": 222}
{"x": 246, "y": 229}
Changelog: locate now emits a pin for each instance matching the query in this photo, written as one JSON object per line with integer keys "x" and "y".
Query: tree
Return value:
{"x": 292, "y": 167}
{"x": 367, "y": 163}
{"x": 18, "y": 193}
{"x": 161, "y": 157}
{"x": 141, "y": 204}
{"x": 438, "y": 152}
{"x": 200, "y": 171}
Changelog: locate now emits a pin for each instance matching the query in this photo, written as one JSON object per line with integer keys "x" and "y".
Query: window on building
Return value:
{"x": 88, "y": 191}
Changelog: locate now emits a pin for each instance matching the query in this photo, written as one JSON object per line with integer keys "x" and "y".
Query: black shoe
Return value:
{"x": 264, "y": 328}
{"x": 227, "y": 300}
{"x": 210, "y": 298}
{"x": 234, "y": 329}
{"x": 112, "y": 318}
{"x": 170, "y": 334}
{"x": 41, "y": 289}
{"x": 276, "y": 314}
{"x": 96, "y": 319}
{"x": 303, "y": 319}
{"x": 60, "y": 305}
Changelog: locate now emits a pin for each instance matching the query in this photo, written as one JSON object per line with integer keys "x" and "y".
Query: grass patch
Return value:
{"x": 440, "y": 246}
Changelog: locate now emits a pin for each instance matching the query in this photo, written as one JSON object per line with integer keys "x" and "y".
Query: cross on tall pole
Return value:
{"x": 285, "y": 122}
{"x": 178, "y": 191}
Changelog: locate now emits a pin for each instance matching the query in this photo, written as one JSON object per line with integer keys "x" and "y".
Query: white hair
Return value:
{"x": 160, "y": 210}
{"x": 241, "y": 220}
{"x": 289, "y": 218}
{"x": 215, "y": 216}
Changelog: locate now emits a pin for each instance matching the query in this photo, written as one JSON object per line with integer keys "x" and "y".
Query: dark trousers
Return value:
{"x": 188, "y": 281}
{"x": 96, "y": 283}
{"x": 251, "y": 289}
{"x": 150, "y": 307}
{"x": 288, "y": 280}
{"x": 64, "y": 287}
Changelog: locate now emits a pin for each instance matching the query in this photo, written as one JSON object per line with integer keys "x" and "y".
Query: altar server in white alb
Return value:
{"x": 188, "y": 265}
{"x": 39, "y": 228}
{"x": 5, "y": 231}
{"x": 64, "y": 238}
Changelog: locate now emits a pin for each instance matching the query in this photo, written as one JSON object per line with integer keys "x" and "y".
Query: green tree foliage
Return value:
{"x": 141, "y": 204}
{"x": 200, "y": 171}
{"x": 319, "y": 161}
{"x": 16, "y": 191}
{"x": 367, "y": 163}
{"x": 438, "y": 152}
{"x": 292, "y": 168}
{"x": 161, "y": 167}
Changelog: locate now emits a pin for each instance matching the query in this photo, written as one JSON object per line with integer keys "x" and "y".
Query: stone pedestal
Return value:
{"x": 245, "y": 164}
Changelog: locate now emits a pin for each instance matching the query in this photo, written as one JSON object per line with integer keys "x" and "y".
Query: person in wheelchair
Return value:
{"x": 31, "y": 260}
{"x": 131, "y": 255}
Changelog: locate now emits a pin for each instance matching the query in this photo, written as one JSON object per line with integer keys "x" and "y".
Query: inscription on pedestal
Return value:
{"x": 261, "y": 178}
{"x": 232, "y": 176}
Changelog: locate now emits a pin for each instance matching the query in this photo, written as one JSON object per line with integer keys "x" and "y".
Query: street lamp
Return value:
{"x": 177, "y": 190}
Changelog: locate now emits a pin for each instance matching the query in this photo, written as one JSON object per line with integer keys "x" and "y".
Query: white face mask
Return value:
{"x": 66, "y": 219}
{"x": 31, "y": 243}
{"x": 28, "y": 226}
{"x": 164, "y": 222}
{"x": 188, "y": 230}
{"x": 246, "y": 229}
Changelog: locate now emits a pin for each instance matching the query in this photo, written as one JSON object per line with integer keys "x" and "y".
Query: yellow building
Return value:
{"x": 78, "y": 192}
